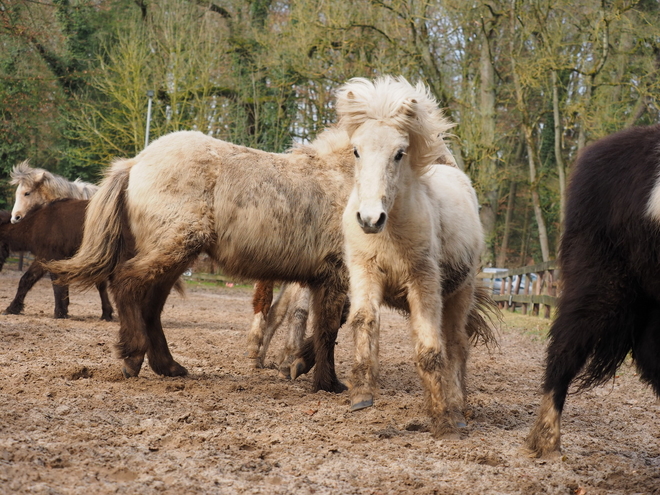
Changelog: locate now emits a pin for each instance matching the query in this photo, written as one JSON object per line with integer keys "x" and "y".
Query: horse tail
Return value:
{"x": 103, "y": 243}
{"x": 482, "y": 316}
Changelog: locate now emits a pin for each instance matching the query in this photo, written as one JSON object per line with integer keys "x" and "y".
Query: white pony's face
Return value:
{"x": 26, "y": 199}
{"x": 380, "y": 154}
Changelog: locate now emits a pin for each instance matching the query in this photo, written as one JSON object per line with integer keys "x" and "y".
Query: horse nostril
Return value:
{"x": 381, "y": 220}
{"x": 359, "y": 218}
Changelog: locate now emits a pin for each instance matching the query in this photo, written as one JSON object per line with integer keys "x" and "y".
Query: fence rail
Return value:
{"x": 532, "y": 286}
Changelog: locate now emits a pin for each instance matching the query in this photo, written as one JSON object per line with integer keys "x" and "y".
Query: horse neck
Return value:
{"x": 60, "y": 188}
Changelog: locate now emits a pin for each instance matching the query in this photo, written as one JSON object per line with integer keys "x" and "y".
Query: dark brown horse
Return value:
{"x": 609, "y": 307}
{"x": 51, "y": 232}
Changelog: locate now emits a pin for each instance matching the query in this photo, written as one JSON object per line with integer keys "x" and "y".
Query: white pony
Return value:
{"x": 412, "y": 240}
{"x": 36, "y": 186}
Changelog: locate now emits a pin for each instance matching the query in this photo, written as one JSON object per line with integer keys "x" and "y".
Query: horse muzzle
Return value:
{"x": 372, "y": 224}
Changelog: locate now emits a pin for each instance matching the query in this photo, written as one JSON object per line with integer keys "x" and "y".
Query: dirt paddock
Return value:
{"x": 70, "y": 423}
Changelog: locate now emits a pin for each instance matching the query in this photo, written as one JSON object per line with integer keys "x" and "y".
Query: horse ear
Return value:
{"x": 408, "y": 107}
{"x": 39, "y": 177}
{"x": 350, "y": 95}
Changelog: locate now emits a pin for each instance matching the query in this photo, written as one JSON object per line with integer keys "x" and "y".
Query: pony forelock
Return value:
{"x": 393, "y": 100}
{"x": 26, "y": 175}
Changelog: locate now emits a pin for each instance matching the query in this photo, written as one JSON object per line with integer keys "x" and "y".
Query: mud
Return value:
{"x": 71, "y": 424}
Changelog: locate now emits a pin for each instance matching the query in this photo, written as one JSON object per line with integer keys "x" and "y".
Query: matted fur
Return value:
{"x": 36, "y": 186}
{"x": 412, "y": 240}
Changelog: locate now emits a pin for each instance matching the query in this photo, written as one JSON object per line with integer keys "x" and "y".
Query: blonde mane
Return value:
{"x": 328, "y": 142}
{"x": 411, "y": 109}
{"x": 53, "y": 186}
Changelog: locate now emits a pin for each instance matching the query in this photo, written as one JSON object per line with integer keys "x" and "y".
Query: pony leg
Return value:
{"x": 106, "y": 305}
{"x": 4, "y": 254}
{"x": 297, "y": 321}
{"x": 261, "y": 302}
{"x": 158, "y": 353}
{"x": 646, "y": 349}
{"x": 32, "y": 275}
{"x": 440, "y": 377}
{"x": 61, "y": 293}
{"x": 583, "y": 319}
{"x": 133, "y": 341}
{"x": 456, "y": 309}
{"x": 305, "y": 359}
{"x": 327, "y": 302}
{"x": 364, "y": 320}
{"x": 276, "y": 315}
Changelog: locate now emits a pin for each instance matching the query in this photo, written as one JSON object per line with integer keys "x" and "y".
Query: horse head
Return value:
{"x": 30, "y": 190}
{"x": 397, "y": 132}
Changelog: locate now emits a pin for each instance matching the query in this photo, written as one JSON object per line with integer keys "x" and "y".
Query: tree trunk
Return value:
{"x": 488, "y": 166}
{"x": 529, "y": 140}
{"x": 561, "y": 168}
{"x": 501, "y": 256}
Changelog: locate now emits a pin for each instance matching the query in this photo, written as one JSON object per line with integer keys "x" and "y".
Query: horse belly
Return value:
{"x": 252, "y": 246}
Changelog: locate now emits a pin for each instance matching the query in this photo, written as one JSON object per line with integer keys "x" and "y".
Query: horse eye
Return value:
{"x": 27, "y": 194}
{"x": 355, "y": 152}
{"x": 399, "y": 155}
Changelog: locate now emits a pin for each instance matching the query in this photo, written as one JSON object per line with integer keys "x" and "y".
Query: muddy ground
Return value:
{"x": 70, "y": 423}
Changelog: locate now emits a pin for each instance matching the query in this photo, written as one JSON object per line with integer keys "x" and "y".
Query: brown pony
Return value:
{"x": 36, "y": 186}
{"x": 51, "y": 232}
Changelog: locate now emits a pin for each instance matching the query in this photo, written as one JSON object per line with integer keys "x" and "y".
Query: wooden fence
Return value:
{"x": 519, "y": 288}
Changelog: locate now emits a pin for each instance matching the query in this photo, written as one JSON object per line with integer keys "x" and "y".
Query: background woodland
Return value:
{"x": 529, "y": 83}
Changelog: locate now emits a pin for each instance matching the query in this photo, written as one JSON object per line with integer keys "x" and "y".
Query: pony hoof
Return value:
{"x": 362, "y": 402}
{"x": 460, "y": 421}
{"x": 297, "y": 369}
{"x": 12, "y": 310}
{"x": 132, "y": 367}
{"x": 257, "y": 363}
{"x": 339, "y": 387}
{"x": 445, "y": 429}
{"x": 284, "y": 372}
{"x": 176, "y": 369}
{"x": 106, "y": 318}
{"x": 128, "y": 374}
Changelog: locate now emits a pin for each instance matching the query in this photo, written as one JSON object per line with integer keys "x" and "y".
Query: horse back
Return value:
{"x": 260, "y": 215}
{"x": 53, "y": 231}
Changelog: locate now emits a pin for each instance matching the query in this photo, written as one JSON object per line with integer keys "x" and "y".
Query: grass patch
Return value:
{"x": 214, "y": 281}
{"x": 534, "y": 326}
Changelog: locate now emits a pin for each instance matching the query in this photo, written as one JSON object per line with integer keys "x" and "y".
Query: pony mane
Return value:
{"x": 328, "y": 142}
{"x": 56, "y": 185}
{"x": 411, "y": 109}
